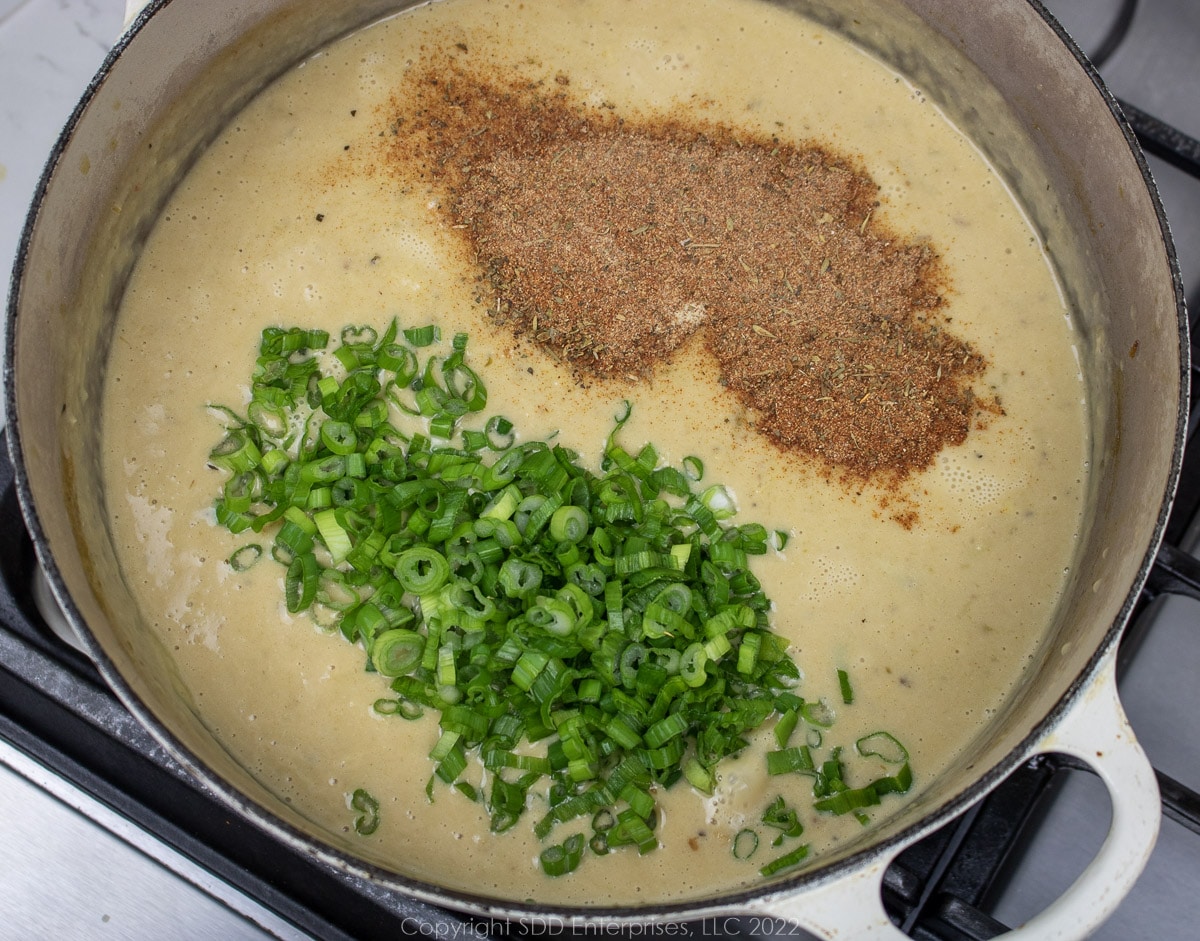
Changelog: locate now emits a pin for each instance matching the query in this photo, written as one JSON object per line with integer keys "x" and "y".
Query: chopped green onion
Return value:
{"x": 745, "y": 843}
{"x": 423, "y": 336}
{"x": 783, "y": 818}
{"x": 587, "y": 638}
{"x": 422, "y": 570}
{"x": 335, "y": 537}
{"x": 787, "y": 760}
{"x": 692, "y": 664}
{"x": 882, "y": 745}
{"x": 367, "y": 821}
{"x": 665, "y": 729}
{"x": 844, "y": 684}
{"x": 785, "y": 726}
{"x": 698, "y": 776}
{"x": 396, "y": 652}
{"x": 786, "y": 861}
{"x": 854, "y": 799}
{"x": 817, "y": 713}
{"x": 300, "y": 583}
{"x": 245, "y": 557}
{"x": 568, "y": 524}
{"x": 562, "y": 858}
{"x": 237, "y": 453}
{"x": 339, "y": 437}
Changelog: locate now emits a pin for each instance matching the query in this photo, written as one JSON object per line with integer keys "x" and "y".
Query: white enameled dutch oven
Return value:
{"x": 1002, "y": 70}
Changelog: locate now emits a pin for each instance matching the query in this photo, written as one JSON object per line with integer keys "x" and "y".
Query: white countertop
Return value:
{"x": 49, "y": 50}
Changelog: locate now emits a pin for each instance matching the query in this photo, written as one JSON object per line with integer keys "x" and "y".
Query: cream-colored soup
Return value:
{"x": 934, "y": 623}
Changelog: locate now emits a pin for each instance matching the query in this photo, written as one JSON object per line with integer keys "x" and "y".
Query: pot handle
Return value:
{"x": 1095, "y": 731}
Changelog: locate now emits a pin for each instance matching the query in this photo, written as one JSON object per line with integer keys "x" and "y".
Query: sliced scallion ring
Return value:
{"x": 367, "y": 821}
{"x": 245, "y": 557}
{"x": 396, "y": 652}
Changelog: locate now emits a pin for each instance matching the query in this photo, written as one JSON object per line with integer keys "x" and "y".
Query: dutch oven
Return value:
{"x": 1002, "y": 70}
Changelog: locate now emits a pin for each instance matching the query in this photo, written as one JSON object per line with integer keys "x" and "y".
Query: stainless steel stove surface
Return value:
{"x": 102, "y": 836}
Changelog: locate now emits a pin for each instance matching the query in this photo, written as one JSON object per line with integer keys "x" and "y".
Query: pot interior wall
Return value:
{"x": 999, "y": 72}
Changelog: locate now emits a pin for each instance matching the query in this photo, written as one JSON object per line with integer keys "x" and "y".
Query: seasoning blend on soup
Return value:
{"x": 776, "y": 249}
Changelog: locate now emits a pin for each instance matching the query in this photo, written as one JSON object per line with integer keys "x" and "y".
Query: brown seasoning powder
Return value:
{"x": 612, "y": 241}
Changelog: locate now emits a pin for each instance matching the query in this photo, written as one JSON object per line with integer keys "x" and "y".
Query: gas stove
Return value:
{"x": 104, "y": 834}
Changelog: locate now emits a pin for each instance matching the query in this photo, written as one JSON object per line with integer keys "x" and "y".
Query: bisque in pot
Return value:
{"x": 932, "y": 590}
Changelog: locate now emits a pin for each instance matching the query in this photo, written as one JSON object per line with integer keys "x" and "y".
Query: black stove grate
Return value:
{"x": 55, "y": 707}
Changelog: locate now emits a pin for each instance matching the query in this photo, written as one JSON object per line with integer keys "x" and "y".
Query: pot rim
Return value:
{"x": 490, "y": 907}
